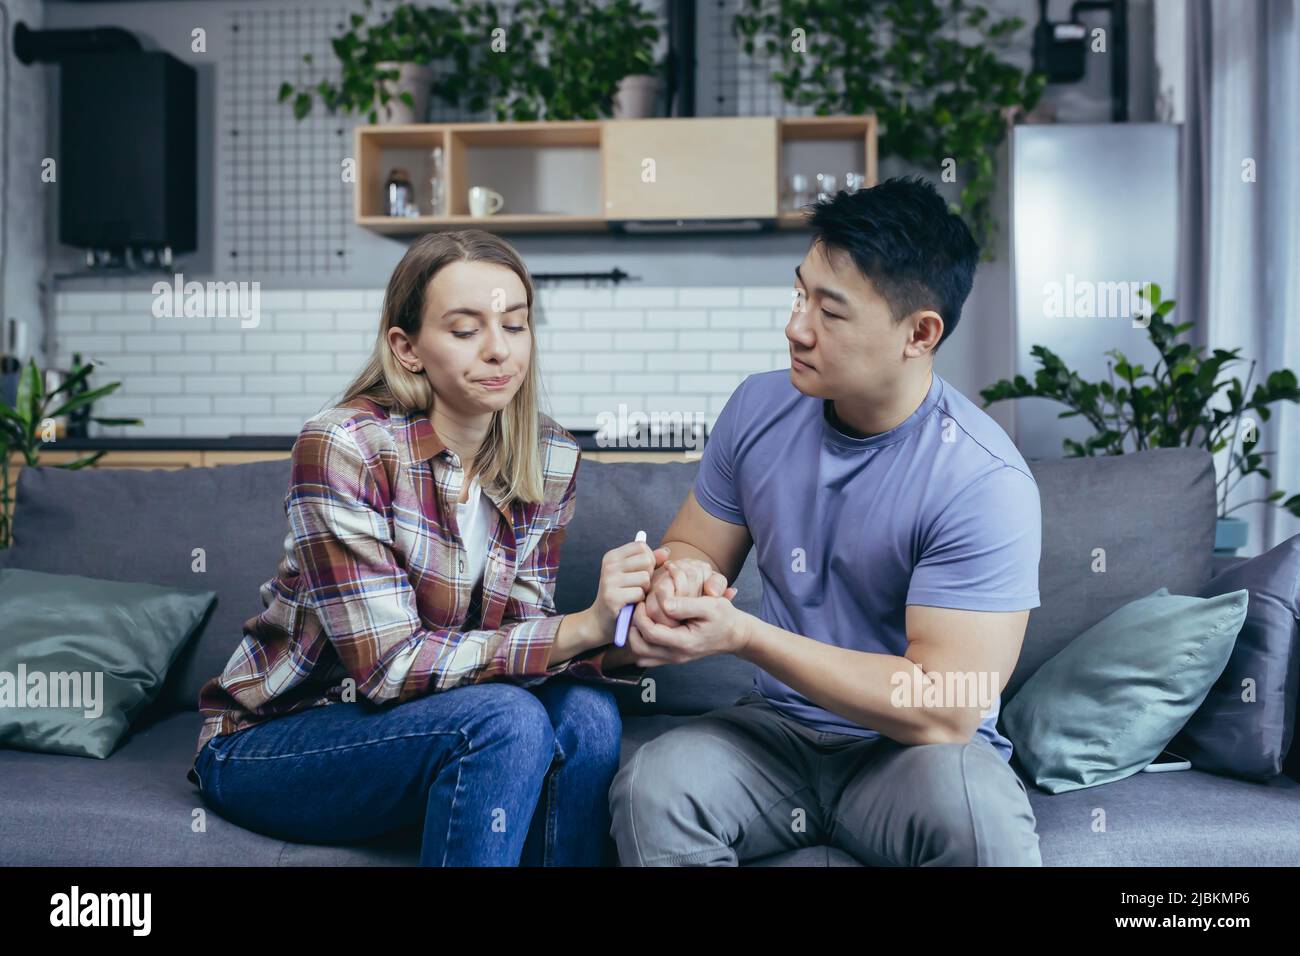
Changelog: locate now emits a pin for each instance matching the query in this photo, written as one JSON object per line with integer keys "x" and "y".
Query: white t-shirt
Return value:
{"x": 475, "y": 519}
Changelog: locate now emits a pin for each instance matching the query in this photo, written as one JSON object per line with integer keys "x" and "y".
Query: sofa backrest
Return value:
{"x": 1147, "y": 518}
{"x": 1151, "y": 514}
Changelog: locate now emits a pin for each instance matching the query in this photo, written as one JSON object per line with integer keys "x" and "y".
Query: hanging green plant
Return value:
{"x": 929, "y": 70}
{"x": 551, "y": 59}
{"x": 536, "y": 59}
{"x": 366, "y": 52}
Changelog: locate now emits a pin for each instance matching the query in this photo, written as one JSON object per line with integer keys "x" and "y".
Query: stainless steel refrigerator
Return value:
{"x": 1094, "y": 213}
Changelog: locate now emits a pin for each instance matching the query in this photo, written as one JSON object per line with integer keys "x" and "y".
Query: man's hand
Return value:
{"x": 709, "y": 625}
{"x": 686, "y": 578}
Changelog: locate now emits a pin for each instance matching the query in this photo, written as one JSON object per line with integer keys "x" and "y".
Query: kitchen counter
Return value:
{"x": 272, "y": 443}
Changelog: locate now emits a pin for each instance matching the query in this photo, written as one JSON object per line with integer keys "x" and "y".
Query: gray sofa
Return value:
{"x": 1153, "y": 512}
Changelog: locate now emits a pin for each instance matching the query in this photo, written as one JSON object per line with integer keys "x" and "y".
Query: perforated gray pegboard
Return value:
{"x": 730, "y": 83}
{"x": 282, "y": 203}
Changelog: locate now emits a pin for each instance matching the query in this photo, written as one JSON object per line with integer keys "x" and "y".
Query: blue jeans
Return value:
{"x": 498, "y": 774}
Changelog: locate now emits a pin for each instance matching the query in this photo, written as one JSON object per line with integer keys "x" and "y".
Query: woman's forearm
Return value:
{"x": 578, "y": 632}
{"x": 618, "y": 657}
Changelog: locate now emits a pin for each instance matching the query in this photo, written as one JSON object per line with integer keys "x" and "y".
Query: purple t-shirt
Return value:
{"x": 940, "y": 510}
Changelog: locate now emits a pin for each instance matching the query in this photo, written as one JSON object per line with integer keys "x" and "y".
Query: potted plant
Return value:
{"x": 387, "y": 67}
{"x": 29, "y": 424}
{"x": 630, "y": 51}
{"x": 1170, "y": 412}
{"x": 600, "y": 56}
{"x": 935, "y": 95}
{"x": 554, "y": 59}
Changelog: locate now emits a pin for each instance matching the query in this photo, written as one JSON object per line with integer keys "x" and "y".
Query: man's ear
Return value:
{"x": 927, "y": 328}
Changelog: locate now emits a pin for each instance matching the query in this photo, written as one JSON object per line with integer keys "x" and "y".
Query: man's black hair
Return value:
{"x": 902, "y": 237}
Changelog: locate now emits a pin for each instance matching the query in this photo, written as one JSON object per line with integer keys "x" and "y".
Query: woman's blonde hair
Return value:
{"x": 511, "y": 451}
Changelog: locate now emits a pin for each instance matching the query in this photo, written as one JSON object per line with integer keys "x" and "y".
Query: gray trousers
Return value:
{"x": 744, "y": 782}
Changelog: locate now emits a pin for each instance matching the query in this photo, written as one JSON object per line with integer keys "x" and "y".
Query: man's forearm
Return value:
{"x": 857, "y": 685}
{"x": 680, "y": 549}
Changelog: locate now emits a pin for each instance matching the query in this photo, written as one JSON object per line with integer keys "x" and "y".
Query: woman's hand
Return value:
{"x": 624, "y": 579}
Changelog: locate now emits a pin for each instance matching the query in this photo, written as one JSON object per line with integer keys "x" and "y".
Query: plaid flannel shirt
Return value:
{"x": 371, "y": 590}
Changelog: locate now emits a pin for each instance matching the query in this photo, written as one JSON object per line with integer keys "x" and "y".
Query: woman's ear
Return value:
{"x": 401, "y": 347}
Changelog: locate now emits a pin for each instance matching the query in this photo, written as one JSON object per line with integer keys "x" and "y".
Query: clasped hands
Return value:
{"x": 683, "y": 607}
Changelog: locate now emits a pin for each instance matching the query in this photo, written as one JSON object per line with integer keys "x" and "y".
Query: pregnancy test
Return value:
{"x": 625, "y": 615}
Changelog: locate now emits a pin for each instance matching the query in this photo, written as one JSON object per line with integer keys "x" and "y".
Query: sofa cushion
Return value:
{"x": 1250, "y": 734}
{"x": 1179, "y": 818}
{"x": 137, "y": 809}
{"x": 145, "y": 525}
{"x": 113, "y": 643}
{"x": 1104, "y": 707}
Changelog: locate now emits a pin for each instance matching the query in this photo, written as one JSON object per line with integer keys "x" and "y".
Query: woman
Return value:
{"x": 409, "y": 667}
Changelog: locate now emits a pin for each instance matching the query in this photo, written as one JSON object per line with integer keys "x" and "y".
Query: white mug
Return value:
{"x": 484, "y": 201}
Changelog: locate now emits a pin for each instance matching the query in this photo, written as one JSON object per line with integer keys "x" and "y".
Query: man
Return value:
{"x": 898, "y": 537}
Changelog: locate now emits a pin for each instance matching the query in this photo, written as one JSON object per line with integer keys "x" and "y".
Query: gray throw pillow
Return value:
{"x": 1107, "y": 704}
{"x": 80, "y": 657}
{"x": 1244, "y": 728}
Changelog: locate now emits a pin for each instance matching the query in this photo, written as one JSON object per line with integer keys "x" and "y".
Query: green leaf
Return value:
{"x": 82, "y": 462}
{"x": 29, "y": 396}
{"x": 85, "y": 398}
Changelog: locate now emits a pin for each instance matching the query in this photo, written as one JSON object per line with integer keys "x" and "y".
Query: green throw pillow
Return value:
{"x": 80, "y": 657}
{"x": 1109, "y": 702}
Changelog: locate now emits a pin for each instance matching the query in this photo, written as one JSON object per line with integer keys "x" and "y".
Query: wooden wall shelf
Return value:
{"x": 590, "y": 176}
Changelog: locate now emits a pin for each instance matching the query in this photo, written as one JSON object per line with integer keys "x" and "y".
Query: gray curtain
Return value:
{"x": 1239, "y": 239}
{"x": 1194, "y": 170}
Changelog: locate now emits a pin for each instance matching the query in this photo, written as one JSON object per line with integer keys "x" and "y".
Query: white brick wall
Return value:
{"x": 653, "y": 349}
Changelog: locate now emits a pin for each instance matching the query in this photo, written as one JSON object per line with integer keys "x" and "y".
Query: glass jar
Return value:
{"x": 398, "y": 192}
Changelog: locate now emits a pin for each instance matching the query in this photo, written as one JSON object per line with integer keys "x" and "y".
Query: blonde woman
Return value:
{"x": 409, "y": 667}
